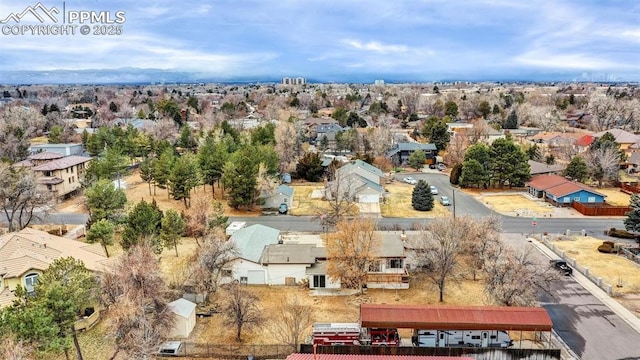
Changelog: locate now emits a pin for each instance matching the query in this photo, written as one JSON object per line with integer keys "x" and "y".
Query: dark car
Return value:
{"x": 283, "y": 209}
{"x": 562, "y": 266}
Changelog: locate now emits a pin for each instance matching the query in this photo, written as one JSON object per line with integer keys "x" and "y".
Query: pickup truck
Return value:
{"x": 562, "y": 266}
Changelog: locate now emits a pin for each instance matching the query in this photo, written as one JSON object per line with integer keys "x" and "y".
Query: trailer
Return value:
{"x": 468, "y": 338}
{"x": 353, "y": 334}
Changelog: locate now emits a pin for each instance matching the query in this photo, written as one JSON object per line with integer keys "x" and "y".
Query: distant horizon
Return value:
{"x": 324, "y": 40}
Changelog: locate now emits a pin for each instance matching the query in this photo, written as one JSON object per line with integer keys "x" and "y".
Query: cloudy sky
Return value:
{"x": 341, "y": 40}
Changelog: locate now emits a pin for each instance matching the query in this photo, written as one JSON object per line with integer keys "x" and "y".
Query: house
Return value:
{"x": 63, "y": 149}
{"x": 61, "y": 177}
{"x": 400, "y": 152}
{"x": 583, "y": 143}
{"x": 538, "y": 168}
{"x": 357, "y": 180}
{"x": 386, "y": 271}
{"x": 622, "y": 137}
{"x": 286, "y": 264}
{"x": 561, "y": 191}
{"x": 184, "y": 318}
{"x": 556, "y": 139}
{"x": 250, "y": 242}
{"x": 283, "y": 194}
{"x": 329, "y": 131}
{"x": 26, "y": 254}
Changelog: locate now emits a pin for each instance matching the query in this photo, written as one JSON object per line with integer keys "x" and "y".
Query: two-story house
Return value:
{"x": 400, "y": 152}
{"x": 62, "y": 177}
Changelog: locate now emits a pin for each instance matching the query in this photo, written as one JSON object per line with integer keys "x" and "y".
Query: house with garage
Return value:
{"x": 184, "y": 319}
{"x": 283, "y": 194}
{"x": 26, "y": 254}
{"x": 250, "y": 242}
{"x": 628, "y": 141}
{"x": 357, "y": 180}
{"x": 561, "y": 191}
{"x": 400, "y": 152}
{"x": 538, "y": 168}
{"x": 286, "y": 263}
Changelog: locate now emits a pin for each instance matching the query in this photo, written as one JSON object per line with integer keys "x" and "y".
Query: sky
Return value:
{"x": 328, "y": 40}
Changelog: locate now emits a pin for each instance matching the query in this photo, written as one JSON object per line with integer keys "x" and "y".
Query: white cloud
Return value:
{"x": 375, "y": 46}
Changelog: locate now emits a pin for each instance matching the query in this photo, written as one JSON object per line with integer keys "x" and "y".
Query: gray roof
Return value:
{"x": 182, "y": 307}
{"x": 319, "y": 268}
{"x": 391, "y": 246}
{"x": 289, "y": 254}
{"x": 62, "y": 163}
{"x": 542, "y": 168}
{"x": 251, "y": 240}
{"x": 360, "y": 164}
{"x": 285, "y": 190}
{"x": 325, "y": 128}
{"x": 410, "y": 146}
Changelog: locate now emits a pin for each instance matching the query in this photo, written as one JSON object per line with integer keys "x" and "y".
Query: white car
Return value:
{"x": 410, "y": 180}
{"x": 434, "y": 190}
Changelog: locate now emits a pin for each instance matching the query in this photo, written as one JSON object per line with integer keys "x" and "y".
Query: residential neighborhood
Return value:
{"x": 318, "y": 180}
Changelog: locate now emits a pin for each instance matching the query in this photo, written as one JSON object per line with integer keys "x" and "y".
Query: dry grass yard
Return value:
{"x": 613, "y": 269}
{"x": 398, "y": 203}
{"x": 615, "y": 196}
{"x": 517, "y": 204}
{"x": 303, "y": 204}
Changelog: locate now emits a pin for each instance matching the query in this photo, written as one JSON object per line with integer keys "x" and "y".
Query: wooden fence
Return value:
{"x": 630, "y": 187}
{"x": 600, "y": 209}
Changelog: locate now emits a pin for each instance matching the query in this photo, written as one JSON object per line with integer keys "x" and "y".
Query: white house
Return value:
{"x": 283, "y": 194}
{"x": 184, "y": 319}
{"x": 357, "y": 180}
{"x": 250, "y": 243}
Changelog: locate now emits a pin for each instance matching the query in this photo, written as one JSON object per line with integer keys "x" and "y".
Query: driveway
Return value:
{"x": 371, "y": 209}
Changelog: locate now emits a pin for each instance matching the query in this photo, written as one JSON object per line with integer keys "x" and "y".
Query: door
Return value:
{"x": 442, "y": 341}
{"x": 319, "y": 281}
{"x": 255, "y": 277}
{"x": 485, "y": 339}
{"x": 369, "y": 198}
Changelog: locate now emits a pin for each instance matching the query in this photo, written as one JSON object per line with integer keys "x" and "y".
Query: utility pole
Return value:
{"x": 454, "y": 202}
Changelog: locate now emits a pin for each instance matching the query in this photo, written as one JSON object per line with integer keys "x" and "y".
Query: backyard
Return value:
{"x": 516, "y": 205}
{"x": 398, "y": 203}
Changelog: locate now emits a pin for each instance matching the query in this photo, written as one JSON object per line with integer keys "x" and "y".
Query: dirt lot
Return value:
{"x": 516, "y": 204}
{"x": 398, "y": 203}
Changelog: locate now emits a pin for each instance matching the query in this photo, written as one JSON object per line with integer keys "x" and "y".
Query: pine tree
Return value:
{"x": 417, "y": 159}
{"x": 577, "y": 169}
{"x": 172, "y": 229}
{"x": 421, "y": 198}
{"x": 632, "y": 222}
{"x": 101, "y": 232}
{"x": 143, "y": 223}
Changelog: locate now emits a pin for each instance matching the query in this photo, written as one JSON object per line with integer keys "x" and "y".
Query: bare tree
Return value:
{"x": 340, "y": 200}
{"x": 514, "y": 278}
{"x": 479, "y": 131}
{"x": 456, "y": 149}
{"x": 241, "y": 309}
{"x": 210, "y": 262}
{"x": 292, "y": 320}
{"x": 350, "y": 250}
{"x": 604, "y": 164}
{"x": 442, "y": 243}
{"x": 12, "y": 349}
{"x": 286, "y": 145}
{"x": 134, "y": 293}
{"x": 21, "y": 199}
{"x": 482, "y": 243}
{"x": 603, "y": 112}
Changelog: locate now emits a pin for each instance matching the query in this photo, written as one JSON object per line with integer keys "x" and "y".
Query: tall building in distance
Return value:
{"x": 378, "y": 82}
{"x": 294, "y": 81}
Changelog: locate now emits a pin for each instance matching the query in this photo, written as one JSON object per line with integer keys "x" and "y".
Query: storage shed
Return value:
{"x": 185, "y": 318}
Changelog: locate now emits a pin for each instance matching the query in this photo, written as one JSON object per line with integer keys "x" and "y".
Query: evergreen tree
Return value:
{"x": 451, "y": 109}
{"x": 512, "y": 121}
{"x": 533, "y": 152}
{"x": 240, "y": 175}
{"x": 105, "y": 201}
{"x": 421, "y": 198}
{"x": 324, "y": 143}
{"x": 417, "y": 159}
{"x": 508, "y": 164}
{"x": 183, "y": 178}
{"x": 101, "y": 232}
{"x": 186, "y": 140}
{"x": 632, "y": 222}
{"x": 577, "y": 169}
{"x": 162, "y": 169}
{"x": 475, "y": 166}
{"x": 147, "y": 171}
{"x": 310, "y": 167}
{"x": 212, "y": 156}
{"x": 456, "y": 172}
{"x": 172, "y": 229}
{"x": 143, "y": 224}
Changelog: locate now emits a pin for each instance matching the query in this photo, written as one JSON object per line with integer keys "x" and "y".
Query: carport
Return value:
{"x": 534, "y": 319}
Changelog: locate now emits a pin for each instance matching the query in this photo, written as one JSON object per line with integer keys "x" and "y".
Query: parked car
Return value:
{"x": 434, "y": 190}
{"x": 283, "y": 209}
{"x": 444, "y": 201}
{"x": 410, "y": 180}
{"x": 562, "y": 266}
{"x": 441, "y": 166}
{"x": 172, "y": 348}
{"x": 432, "y": 166}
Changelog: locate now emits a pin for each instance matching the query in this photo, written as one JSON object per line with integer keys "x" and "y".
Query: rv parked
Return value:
{"x": 468, "y": 338}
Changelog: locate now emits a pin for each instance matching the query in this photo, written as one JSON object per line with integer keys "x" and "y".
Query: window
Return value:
{"x": 244, "y": 280}
{"x": 30, "y": 281}
{"x": 67, "y": 170}
{"x": 49, "y": 187}
{"x": 577, "y": 199}
{"x": 591, "y": 199}
{"x": 226, "y": 273}
{"x": 319, "y": 281}
{"x": 47, "y": 173}
{"x": 566, "y": 199}
{"x": 72, "y": 170}
{"x": 394, "y": 263}
{"x": 375, "y": 266}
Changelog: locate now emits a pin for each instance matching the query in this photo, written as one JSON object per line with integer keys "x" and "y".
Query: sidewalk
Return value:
{"x": 611, "y": 303}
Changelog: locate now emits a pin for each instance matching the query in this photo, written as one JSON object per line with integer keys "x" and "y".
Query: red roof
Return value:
{"x": 545, "y": 181}
{"x": 569, "y": 188}
{"x": 371, "y": 357}
{"x": 584, "y": 141}
{"x": 455, "y": 317}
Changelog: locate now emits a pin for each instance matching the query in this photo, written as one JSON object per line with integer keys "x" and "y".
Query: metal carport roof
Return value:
{"x": 455, "y": 317}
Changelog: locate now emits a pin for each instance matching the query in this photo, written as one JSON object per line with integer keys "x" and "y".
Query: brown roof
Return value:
{"x": 45, "y": 155}
{"x": 63, "y": 163}
{"x": 569, "y": 188}
{"x": 542, "y": 168}
{"x": 372, "y": 357}
{"x": 455, "y": 317}
{"x": 621, "y": 136}
{"x": 34, "y": 249}
{"x": 545, "y": 181}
